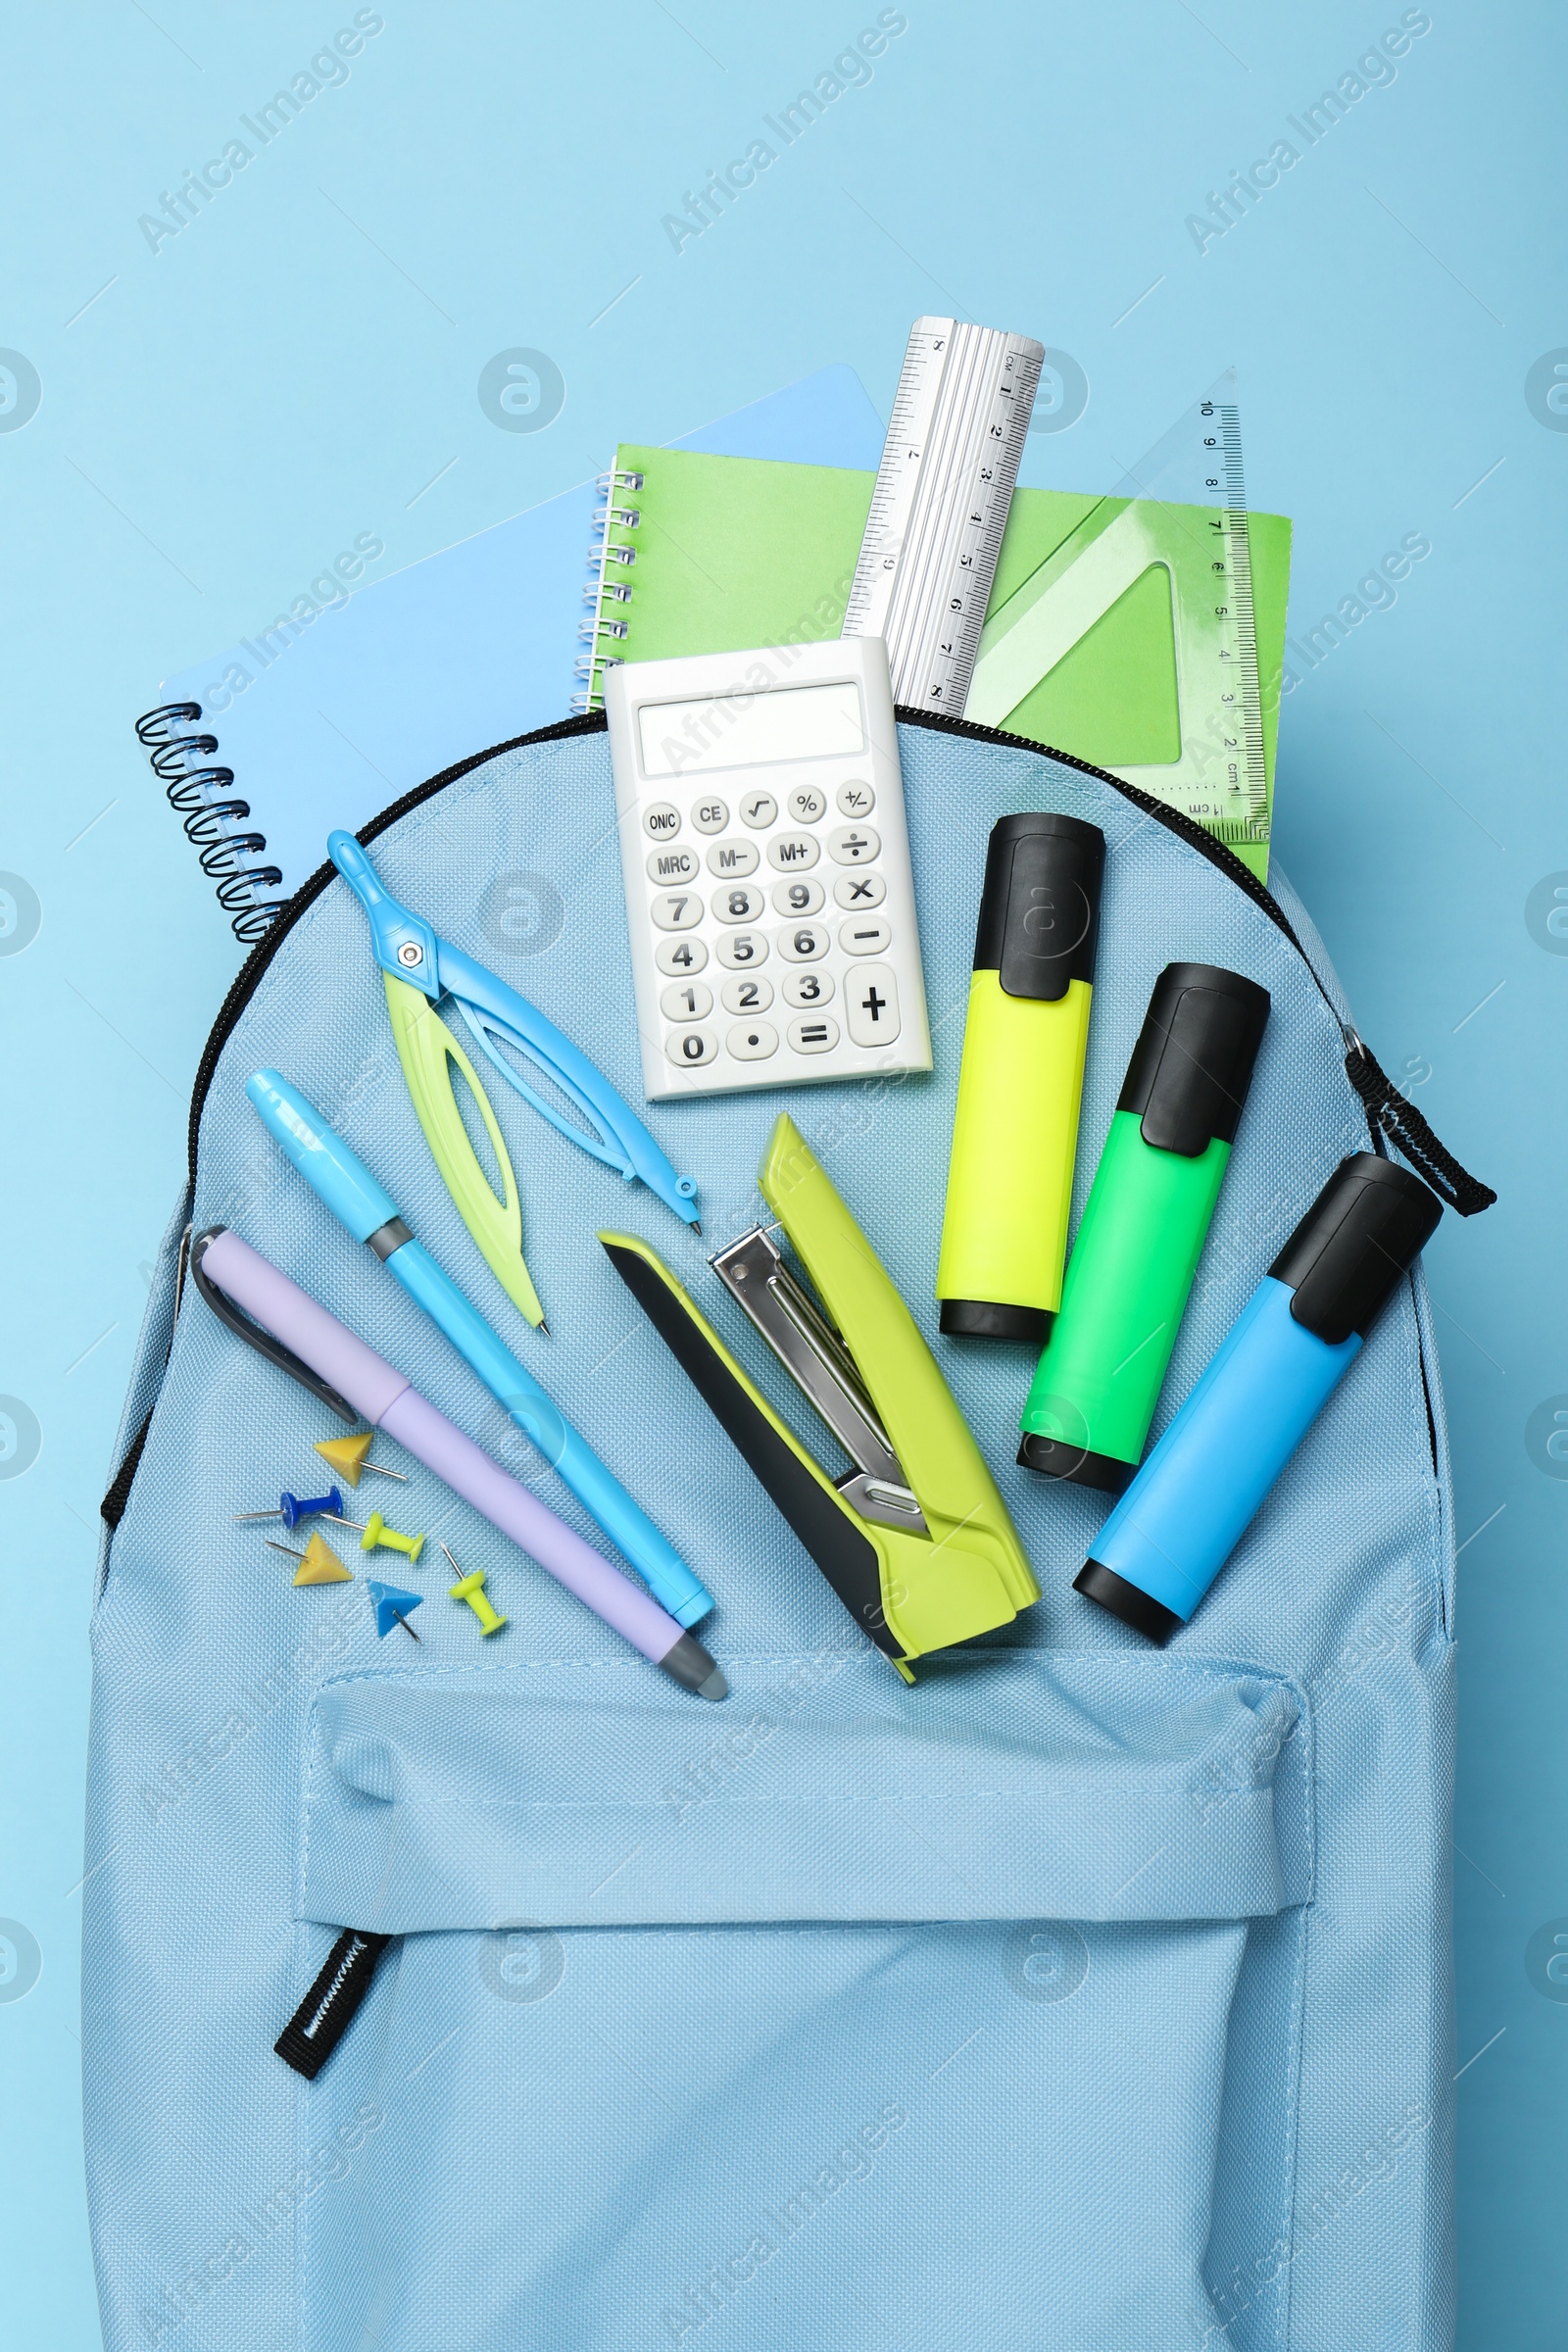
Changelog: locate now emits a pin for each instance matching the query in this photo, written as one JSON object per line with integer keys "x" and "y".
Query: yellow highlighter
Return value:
{"x": 1015, "y": 1131}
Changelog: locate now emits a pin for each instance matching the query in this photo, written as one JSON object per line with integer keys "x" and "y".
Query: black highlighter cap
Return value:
{"x": 1358, "y": 1240}
{"x": 1193, "y": 1062}
{"x": 1040, "y": 906}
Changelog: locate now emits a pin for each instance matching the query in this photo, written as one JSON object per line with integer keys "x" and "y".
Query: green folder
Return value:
{"x": 729, "y": 553}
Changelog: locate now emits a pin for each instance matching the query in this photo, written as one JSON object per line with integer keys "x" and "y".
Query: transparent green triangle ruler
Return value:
{"x": 1184, "y": 509}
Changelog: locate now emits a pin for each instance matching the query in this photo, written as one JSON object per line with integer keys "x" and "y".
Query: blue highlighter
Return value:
{"x": 1292, "y": 1345}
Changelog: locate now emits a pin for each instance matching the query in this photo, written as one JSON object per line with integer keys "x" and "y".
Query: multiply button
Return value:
{"x": 856, "y": 890}
{"x": 661, "y": 821}
{"x": 691, "y": 1049}
{"x": 709, "y": 816}
{"x": 816, "y": 1033}
{"x": 727, "y": 857}
{"x": 853, "y": 844}
{"x": 792, "y": 853}
{"x": 871, "y": 1006}
{"x": 856, "y": 799}
{"x": 672, "y": 865}
{"x": 864, "y": 934}
{"x": 759, "y": 809}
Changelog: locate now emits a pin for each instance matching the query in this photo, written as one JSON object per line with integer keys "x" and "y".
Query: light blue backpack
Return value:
{"x": 1085, "y": 1995}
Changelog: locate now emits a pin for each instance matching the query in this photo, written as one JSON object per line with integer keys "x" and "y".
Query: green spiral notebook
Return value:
{"x": 712, "y": 555}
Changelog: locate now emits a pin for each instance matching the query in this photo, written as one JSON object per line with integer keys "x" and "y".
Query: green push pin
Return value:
{"x": 472, "y": 1589}
{"x": 376, "y": 1536}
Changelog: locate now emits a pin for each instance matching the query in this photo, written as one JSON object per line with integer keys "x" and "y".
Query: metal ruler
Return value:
{"x": 1188, "y": 514}
{"x": 940, "y": 506}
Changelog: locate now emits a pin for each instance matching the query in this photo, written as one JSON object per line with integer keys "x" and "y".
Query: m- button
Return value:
{"x": 871, "y": 1004}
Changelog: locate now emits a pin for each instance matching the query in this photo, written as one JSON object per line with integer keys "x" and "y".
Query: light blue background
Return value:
{"x": 225, "y": 416}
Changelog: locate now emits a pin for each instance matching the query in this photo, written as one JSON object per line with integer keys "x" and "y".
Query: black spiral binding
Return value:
{"x": 183, "y": 764}
{"x": 609, "y": 586}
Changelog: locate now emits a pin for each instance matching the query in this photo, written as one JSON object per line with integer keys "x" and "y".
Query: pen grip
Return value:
{"x": 414, "y": 1421}
{"x": 570, "y": 1455}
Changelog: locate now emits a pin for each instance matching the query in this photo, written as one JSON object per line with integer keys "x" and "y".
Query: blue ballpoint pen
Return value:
{"x": 368, "y": 1211}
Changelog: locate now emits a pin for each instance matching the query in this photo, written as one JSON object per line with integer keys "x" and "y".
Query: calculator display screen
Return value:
{"x": 751, "y": 730}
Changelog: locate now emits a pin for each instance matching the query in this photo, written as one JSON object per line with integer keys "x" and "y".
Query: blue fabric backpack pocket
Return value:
{"x": 841, "y": 2007}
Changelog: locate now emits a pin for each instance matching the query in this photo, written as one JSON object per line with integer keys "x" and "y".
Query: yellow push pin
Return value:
{"x": 375, "y": 1535}
{"x": 347, "y": 1457}
{"x": 318, "y": 1563}
{"x": 472, "y": 1589}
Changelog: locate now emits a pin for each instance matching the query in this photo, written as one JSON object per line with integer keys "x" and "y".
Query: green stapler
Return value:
{"x": 914, "y": 1539}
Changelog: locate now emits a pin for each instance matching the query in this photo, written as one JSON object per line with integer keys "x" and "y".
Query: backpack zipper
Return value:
{"x": 1391, "y": 1119}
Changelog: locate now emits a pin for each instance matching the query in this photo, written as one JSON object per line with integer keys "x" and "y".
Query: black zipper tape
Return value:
{"x": 328, "y": 2009}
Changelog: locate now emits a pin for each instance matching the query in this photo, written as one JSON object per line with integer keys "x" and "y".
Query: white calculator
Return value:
{"x": 766, "y": 867}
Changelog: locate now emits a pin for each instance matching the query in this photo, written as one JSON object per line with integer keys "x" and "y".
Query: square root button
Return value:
{"x": 871, "y": 1004}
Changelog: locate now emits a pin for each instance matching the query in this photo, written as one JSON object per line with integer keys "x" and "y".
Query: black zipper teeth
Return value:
{"x": 593, "y": 722}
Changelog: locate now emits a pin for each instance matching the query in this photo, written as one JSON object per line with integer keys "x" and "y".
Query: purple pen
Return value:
{"x": 388, "y": 1400}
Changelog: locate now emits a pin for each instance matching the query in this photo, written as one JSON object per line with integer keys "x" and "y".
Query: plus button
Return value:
{"x": 875, "y": 1004}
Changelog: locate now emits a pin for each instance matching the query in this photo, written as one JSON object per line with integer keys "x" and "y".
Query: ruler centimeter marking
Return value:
{"x": 1246, "y": 764}
{"x": 940, "y": 506}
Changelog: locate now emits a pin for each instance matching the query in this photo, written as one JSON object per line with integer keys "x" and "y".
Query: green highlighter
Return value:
{"x": 1148, "y": 1211}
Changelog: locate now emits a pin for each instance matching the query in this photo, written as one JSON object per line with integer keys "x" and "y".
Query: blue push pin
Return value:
{"x": 390, "y": 1603}
{"x": 291, "y": 1509}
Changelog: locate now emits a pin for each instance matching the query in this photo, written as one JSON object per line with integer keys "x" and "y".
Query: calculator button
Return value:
{"x": 759, "y": 809}
{"x": 686, "y": 1001}
{"x": 806, "y": 989}
{"x": 793, "y": 853}
{"x": 681, "y": 911}
{"x": 743, "y": 950}
{"x": 798, "y": 898}
{"x": 727, "y": 857}
{"x": 751, "y": 1041}
{"x": 691, "y": 1049}
{"x": 803, "y": 943}
{"x": 678, "y": 956}
{"x": 747, "y": 996}
{"x": 808, "y": 805}
{"x": 710, "y": 817}
{"x": 856, "y": 799}
{"x": 736, "y": 905}
{"x": 662, "y": 821}
{"x": 853, "y": 844}
{"x": 856, "y": 890}
{"x": 871, "y": 1006}
{"x": 812, "y": 1033}
{"x": 672, "y": 865}
{"x": 864, "y": 934}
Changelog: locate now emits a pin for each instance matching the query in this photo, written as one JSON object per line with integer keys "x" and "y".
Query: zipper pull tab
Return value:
{"x": 1389, "y": 1114}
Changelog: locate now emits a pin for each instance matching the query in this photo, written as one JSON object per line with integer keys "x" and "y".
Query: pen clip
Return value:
{"x": 255, "y": 1336}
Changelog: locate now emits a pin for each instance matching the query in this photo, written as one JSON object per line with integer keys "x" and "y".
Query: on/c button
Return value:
{"x": 871, "y": 1004}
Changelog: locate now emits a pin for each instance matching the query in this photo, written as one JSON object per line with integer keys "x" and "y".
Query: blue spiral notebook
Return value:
{"x": 323, "y": 724}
